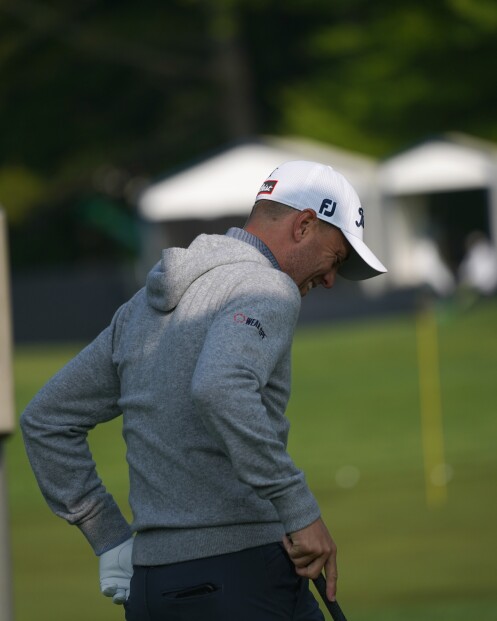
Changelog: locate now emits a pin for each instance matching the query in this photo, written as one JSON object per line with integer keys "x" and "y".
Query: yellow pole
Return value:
{"x": 436, "y": 470}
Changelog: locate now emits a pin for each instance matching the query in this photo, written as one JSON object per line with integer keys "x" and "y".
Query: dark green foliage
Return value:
{"x": 148, "y": 87}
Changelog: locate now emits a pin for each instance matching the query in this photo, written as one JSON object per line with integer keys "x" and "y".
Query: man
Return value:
{"x": 198, "y": 364}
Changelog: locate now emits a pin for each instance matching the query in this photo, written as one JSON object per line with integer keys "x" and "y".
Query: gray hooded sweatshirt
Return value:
{"x": 198, "y": 365}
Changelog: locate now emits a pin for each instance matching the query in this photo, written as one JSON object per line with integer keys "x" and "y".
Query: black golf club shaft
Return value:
{"x": 333, "y": 607}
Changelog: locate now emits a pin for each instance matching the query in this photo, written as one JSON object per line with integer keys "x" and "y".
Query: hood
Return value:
{"x": 180, "y": 267}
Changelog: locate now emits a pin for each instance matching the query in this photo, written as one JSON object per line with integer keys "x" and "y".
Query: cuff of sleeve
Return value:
{"x": 297, "y": 509}
{"x": 106, "y": 529}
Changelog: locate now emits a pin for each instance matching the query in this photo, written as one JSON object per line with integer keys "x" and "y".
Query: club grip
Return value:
{"x": 333, "y": 607}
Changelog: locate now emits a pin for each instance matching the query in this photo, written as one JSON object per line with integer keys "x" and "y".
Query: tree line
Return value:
{"x": 97, "y": 98}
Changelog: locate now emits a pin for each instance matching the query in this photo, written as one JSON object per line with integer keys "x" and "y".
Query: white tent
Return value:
{"x": 220, "y": 190}
{"x": 450, "y": 163}
{"x": 227, "y": 183}
{"x": 434, "y": 194}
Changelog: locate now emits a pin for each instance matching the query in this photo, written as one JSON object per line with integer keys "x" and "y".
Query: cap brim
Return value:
{"x": 362, "y": 263}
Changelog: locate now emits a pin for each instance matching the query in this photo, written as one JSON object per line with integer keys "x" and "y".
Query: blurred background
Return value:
{"x": 128, "y": 127}
{"x": 101, "y": 100}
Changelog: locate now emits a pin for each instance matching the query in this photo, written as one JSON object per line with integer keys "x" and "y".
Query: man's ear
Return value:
{"x": 303, "y": 224}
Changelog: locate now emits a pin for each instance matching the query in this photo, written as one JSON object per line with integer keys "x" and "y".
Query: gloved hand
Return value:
{"x": 116, "y": 570}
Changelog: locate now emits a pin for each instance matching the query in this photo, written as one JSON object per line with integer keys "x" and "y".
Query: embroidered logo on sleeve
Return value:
{"x": 241, "y": 318}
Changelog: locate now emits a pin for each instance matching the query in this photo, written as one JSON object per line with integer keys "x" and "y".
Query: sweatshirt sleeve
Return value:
{"x": 55, "y": 425}
{"x": 246, "y": 349}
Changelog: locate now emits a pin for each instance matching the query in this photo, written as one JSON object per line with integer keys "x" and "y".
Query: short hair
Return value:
{"x": 275, "y": 211}
{"x": 270, "y": 209}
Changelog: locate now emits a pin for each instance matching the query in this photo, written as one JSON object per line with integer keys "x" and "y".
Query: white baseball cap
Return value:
{"x": 309, "y": 185}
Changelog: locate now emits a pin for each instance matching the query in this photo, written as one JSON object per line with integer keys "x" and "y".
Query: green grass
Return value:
{"x": 355, "y": 402}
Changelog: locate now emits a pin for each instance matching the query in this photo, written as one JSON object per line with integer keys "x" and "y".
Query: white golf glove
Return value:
{"x": 116, "y": 570}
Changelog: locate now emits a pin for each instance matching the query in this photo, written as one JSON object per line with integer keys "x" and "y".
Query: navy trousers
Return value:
{"x": 257, "y": 584}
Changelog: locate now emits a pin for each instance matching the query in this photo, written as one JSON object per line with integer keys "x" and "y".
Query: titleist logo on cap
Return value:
{"x": 268, "y": 186}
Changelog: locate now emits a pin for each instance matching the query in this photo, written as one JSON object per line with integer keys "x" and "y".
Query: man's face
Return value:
{"x": 317, "y": 257}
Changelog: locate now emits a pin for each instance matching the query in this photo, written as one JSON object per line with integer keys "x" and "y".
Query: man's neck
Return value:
{"x": 255, "y": 241}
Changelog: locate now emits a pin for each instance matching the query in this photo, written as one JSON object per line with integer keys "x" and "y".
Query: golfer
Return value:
{"x": 197, "y": 363}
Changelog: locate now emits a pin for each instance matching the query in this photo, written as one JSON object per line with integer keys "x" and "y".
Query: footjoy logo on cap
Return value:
{"x": 268, "y": 186}
{"x": 328, "y": 207}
